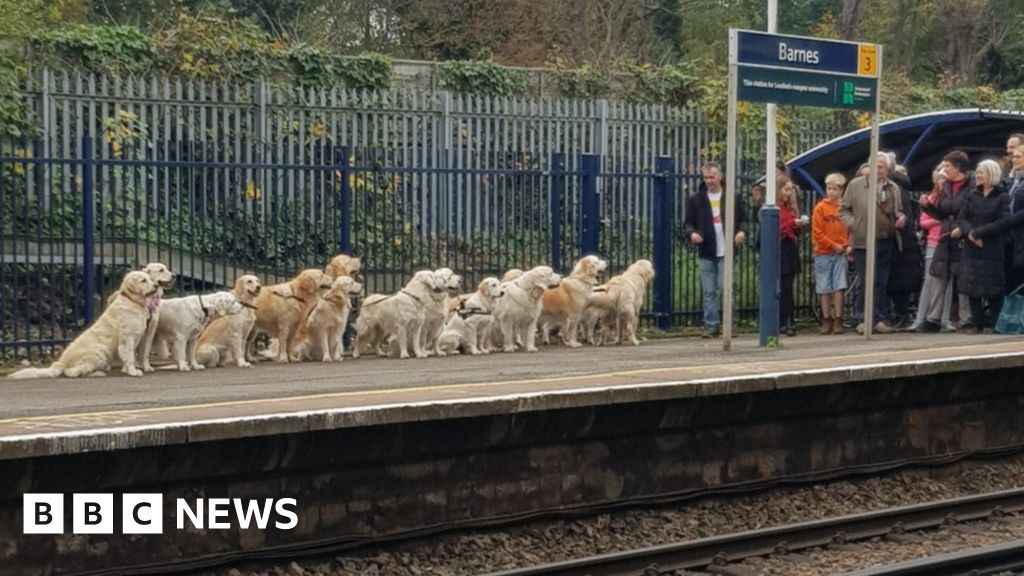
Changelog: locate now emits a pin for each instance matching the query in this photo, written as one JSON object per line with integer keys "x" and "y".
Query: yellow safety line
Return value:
{"x": 467, "y": 385}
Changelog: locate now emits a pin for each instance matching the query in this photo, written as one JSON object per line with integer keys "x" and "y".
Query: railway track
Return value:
{"x": 719, "y": 551}
{"x": 998, "y": 559}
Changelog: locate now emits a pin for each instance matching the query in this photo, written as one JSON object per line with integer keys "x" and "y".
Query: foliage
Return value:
{"x": 101, "y": 48}
{"x": 366, "y": 71}
{"x": 203, "y": 45}
{"x": 14, "y": 115}
{"x": 481, "y": 77}
{"x": 586, "y": 82}
{"x": 309, "y": 66}
{"x": 669, "y": 84}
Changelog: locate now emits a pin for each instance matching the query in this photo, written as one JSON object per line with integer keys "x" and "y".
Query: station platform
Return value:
{"x": 52, "y": 417}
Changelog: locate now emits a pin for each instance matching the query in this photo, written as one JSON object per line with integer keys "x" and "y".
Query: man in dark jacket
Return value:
{"x": 705, "y": 228}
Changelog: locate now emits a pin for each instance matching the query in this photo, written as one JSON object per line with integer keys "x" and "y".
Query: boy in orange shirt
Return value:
{"x": 831, "y": 249}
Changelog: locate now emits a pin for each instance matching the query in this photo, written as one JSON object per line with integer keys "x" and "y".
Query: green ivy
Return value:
{"x": 14, "y": 115}
{"x": 367, "y": 71}
{"x": 480, "y": 78}
{"x": 586, "y": 82}
{"x": 102, "y": 48}
{"x": 670, "y": 84}
{"x": 310, "y": 66}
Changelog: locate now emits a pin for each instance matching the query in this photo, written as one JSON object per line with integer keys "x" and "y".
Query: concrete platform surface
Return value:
{"x": 44, "y": 417}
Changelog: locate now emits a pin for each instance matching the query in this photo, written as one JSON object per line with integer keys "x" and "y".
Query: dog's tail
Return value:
{"x": 52, "y": 371}
{"x": 605, "y": 300}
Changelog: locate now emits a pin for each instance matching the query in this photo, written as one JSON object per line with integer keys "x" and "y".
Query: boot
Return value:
{"x": 837, "y": 325}
{"x": 826, "y": 326}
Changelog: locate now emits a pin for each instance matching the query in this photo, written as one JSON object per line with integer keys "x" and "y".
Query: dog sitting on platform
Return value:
{"x": 225, "y": 338}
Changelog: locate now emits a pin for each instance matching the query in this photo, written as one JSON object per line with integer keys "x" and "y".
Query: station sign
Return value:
{"x": 804, "y": 71}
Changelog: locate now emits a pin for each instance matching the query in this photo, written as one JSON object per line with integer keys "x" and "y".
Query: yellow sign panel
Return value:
{"x": 867, "y": 60}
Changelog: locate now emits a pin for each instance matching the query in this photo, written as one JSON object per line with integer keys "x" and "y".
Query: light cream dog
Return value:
{"x": 183, "y": 319}
{"x": 396, "y": 320}
{"x": 282, "y": 307}
{"x": 563, "y": 305}
{"x": 618, "y": 304}
{"x": 224, "y": 339}
{"x": 318, "y": 338}
{"x": 115, "y": 334}
{"x": 517, "y": 311}
{"x": 344, "y": 265}
{"x": 164, "y": 279}
{"x": 435, "y": 312}
{"x": 469, "y": 326}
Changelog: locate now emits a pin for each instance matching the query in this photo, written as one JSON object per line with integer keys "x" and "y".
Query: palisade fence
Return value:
{"x": 218, "y": 180}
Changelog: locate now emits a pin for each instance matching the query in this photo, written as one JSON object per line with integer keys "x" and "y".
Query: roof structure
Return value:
{"x": 919, "y": 142}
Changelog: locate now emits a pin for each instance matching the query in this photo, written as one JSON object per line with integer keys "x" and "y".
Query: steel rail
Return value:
{"x": 704, "y": 552}
{"x": 995, "y": 559}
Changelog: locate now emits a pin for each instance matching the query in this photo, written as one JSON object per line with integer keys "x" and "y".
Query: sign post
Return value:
{"x": 799, "y": 71}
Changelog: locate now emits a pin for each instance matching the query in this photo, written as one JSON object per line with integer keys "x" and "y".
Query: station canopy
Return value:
{"x": 919, "y": 142}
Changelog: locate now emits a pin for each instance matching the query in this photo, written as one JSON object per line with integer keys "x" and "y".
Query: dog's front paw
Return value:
{"x": 531, "y": 349}
{"x": 184, "y": 368}
{"x": 147, "y": 367}
{"x": 198, "y": 366}
{"x": 573, "y": 344}
{"x": 244, "y": 364}
{"x": 133, "y": 371}
{"x": 509, "y": 349}
{"x": 441, "y": 353}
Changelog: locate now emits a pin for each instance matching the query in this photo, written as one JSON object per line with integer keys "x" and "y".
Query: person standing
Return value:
{"x": 981, "y": 223}
{"x": 831, "y": 249}
{"x": 946, "y": 208}
{"x": 705, "y": 229}
{"x": 934, "y": 301}
{"x": 905, "y": 271}
{"x": 854, "y": 213}
{"x": 790, "y": 226}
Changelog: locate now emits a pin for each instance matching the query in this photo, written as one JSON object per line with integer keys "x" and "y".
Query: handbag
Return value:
{"x": 1011, "y": 316}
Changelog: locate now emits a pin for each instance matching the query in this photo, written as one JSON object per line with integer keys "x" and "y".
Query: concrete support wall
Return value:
{"x": 360, "y": 482}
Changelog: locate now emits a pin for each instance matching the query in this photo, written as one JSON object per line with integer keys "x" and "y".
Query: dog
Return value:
{"x": 396, "y": 320}
{"x": 319, "y": 337}
{"x": 225, "y": 338}
{"x": 563, "y": 305}
{"x": 469, "y": 326}
{"x": 183, "y": 319}
{"x": 344, "y": 265}
{"x": 164, "y": 279}
{"x": 282, "y": 307}
{"x": 518, "y": 310}
{"x": 116, "y": 333}
{"x": 436, "y": 311}
{"x": 618, "y": 304}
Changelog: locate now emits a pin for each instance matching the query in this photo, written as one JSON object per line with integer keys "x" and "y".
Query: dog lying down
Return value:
{"x": 115, "y": 334}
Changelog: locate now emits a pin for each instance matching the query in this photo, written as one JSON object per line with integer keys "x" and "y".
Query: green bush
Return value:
{"x": 586, "y": 82}
{"x": 480, "y": 78}
{"x": 367, "y": 71}
{"x": 102, "y": 48}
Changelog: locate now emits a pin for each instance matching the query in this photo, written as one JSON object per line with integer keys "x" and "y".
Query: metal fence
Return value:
{"x": 219, "y": 180}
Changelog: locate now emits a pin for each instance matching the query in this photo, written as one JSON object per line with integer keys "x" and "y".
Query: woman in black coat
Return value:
{"x": 980, "y": 222}
{"x": 906, "y": 269}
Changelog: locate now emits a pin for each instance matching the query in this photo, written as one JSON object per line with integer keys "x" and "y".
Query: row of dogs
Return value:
{"x": 306, "y": 317}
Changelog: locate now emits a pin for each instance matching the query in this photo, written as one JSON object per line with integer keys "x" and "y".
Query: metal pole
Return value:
{"x": 728, "y": 207}
{"x": 869, "y": 275}
{"x": 342, "y": 166}
{"x": 88, "y": 229}
{"x": 664, "y": 186}
{"x": 769, "y": 263}
{"x": 555, "y": 206}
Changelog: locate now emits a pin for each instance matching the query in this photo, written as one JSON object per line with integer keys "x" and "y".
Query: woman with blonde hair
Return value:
{"x": 981, "y": 224}
{"x": 933, "y": 305}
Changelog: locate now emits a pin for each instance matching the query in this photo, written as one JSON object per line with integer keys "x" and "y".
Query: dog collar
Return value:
{"x": 206, "y": 311}
{"x": 247, "y": 305}
{"x": 292, "y": 296}
{"x": 411, "y": 295}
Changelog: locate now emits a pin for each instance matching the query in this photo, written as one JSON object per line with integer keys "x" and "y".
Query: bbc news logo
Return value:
{"x": 143, "y": 513}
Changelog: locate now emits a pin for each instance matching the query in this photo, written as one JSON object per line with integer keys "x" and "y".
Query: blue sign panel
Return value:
{"x": 762, "y": 49}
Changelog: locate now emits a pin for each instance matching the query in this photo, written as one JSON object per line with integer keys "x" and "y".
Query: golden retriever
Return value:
{"x": 386, "y": 322}
{"x": 280, "y": 308}
{"x": 183, "y": 319}
{"x": 116, "y": 333}
{"x": 563, "y": 305}
{"x": 436, "y": 311}
{"x": 469, "y": 326}
{"x": 517, "y": 311}
{"x": 225, "y": 338}
{"x": 344, "y": 265}
{"x": 618, "y": 303}
{"x": 319, "y": 337}
{"x": 164, "y": 279}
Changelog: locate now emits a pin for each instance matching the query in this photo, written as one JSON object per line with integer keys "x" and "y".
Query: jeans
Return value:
{"x": 883, "y": 256}
{"x": 711, "y": 277}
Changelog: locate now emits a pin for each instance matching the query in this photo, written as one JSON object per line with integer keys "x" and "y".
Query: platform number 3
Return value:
{"x": 867, "y": 60}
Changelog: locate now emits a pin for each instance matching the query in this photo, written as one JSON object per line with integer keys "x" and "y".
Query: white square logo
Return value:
{"x": 43, "y": 514}
{"x": 93, "y": 514}
{"x": 142, "y": 514}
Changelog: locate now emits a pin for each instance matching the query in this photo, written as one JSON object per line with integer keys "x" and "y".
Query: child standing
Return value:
{"x": 831, "y": 249}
